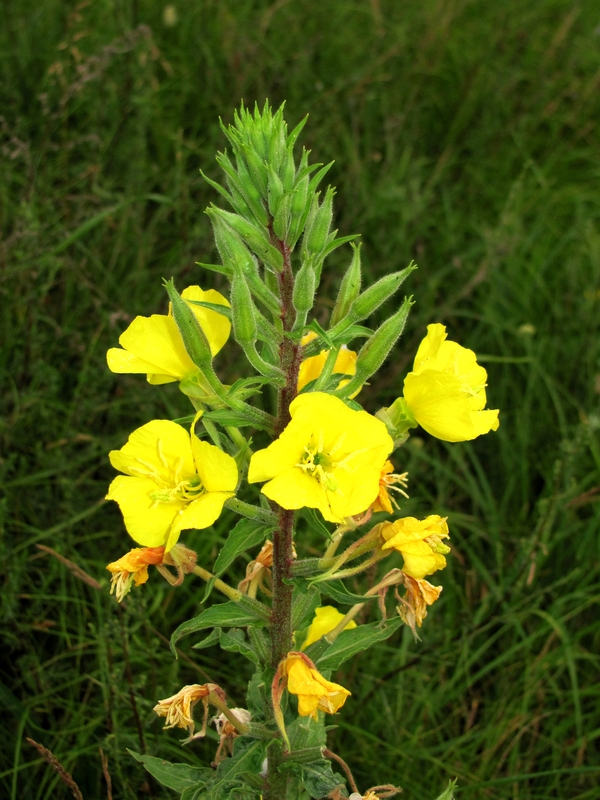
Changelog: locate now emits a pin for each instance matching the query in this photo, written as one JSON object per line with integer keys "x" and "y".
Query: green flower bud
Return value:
{"x": 276, "y": 191}
{"x": 194, "y": 338}
{"x": 304, "y": 288}
{"x": 349, "y": 288}
{"x": 243, "y": 312}
{"x": 318, "y": 225}
{"x": 254, "y": 238}
{"x": 377, "y": 348}
{"x": 370, "y": 300}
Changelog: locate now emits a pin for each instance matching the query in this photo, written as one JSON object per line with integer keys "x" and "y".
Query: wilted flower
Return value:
{"x": 178, "y": 710}
{"x": 132, "y": 568}
{"x": 413, "y": 606}
{"x": 314, "y": 693}
{"x": 390, "y": 481}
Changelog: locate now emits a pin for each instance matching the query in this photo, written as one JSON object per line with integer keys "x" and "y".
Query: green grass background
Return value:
{"x": 465, "y": 136}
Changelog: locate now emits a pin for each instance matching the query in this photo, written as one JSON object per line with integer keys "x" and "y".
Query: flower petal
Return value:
{"x": 216, "y": 326}
{"x": 147, "y": 523}
{"x": 218, "y": 470}
{"x": 157, "y": 341}
{"x": 156, "y": 448}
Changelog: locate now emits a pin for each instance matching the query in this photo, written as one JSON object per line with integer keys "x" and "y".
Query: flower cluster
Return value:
{"x": 320, "y": 459}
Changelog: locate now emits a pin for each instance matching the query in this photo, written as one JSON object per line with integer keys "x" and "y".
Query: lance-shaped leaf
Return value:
{"x": 175, "y": 776}
{"x": 338, "y": 592}
{"x": 317, "y": 777}
{"x": 223, "y": 615}
{"x": 354, "y": 641}
{"x": 248, "y": 756}
{"x": 234, "y": 641}
{"x": 448, "y": 794}
{"x": 246, "y": 534}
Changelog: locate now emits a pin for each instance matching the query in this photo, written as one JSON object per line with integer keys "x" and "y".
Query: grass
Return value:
{"x": 465, "y": 136}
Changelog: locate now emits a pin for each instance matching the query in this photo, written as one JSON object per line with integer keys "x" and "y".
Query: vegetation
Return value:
{"x": 465, "y": 137}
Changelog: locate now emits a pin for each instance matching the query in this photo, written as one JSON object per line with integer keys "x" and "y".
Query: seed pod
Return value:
{"x": 349, "y": 288}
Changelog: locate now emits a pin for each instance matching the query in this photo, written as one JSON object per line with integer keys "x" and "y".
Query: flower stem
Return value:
{"x": 281, "y": 631}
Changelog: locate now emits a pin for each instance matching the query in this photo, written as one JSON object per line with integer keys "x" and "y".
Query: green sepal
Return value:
{"x": 246, "y": 534}
{"x": 351, "y": 642}
{"x": 173, "y": 775}
{"x": 219, "y": 308}
{"x": 220, "y": 268}
{"x": 349, "y": 287}
{"x": 223, "y": 615}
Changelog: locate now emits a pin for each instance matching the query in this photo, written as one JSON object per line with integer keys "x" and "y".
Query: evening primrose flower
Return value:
{"x": 311, "y": 368}
{"x": 420, "y": 543}
{"x": 445, "y": 392}
{"x": 178, "y": 710}
{"x": 314, "y": 693}
{"x": 387, "y": 483}
{"x": 325, "y": 620}
{"x": 132, "y": 568}
{"x": 172, "y": 481}
{"x": 154, "y": 345}
{"x": 413, "y": 606}
{"x": 328, "y": 457}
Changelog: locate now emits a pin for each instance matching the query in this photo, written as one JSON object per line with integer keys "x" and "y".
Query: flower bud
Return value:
{"x": 242, "y": 311}
{"x": 254, "y": 238}
{"x": 304, "y": 287}
{"x": 370, "y": 300}
{"x": 194, "y": 338}
{"x": 349, "y": 288}
{"x": 377, "y": 348}
{"x": 318, "y": 224}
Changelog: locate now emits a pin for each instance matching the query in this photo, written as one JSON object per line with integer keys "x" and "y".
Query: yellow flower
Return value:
{"x": 445, "y": 392}
{"x": 311, "y": 368}
{"x": 420, "y": 543}
{"x": 132, "y": 568}
{"x": 328, "y": 457}
{"x": 384, "y": 500}
{"x": 314, "y": 693}
{"x": 154, "y": 345}
{"x": 325, "y": 620}
{"x": 172, "y": 481}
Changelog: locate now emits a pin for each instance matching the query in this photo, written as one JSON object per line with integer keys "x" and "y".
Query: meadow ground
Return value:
{"x": 465, "y": 136}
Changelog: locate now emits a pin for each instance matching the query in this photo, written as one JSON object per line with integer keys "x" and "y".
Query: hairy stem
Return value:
{"x": 289, "y": 355}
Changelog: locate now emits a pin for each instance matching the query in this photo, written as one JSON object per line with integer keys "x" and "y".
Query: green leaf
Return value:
{"x": 348, "y": 643}
{"x": 212, "y": 638}
{"x": 220, "y": 268}
{"x": 306, "y": 732}
{"x": 234, "y": 641}
{"x": 321, "y": 333}
{"x": 338, "y": 592}
{"x": 175, "y": 776}
{"x": 315, "y": 523}
{"x": 257, "y": 697}
{"x": 234, "y": 419}
{"x": 248, "y": 756}
{"x": 305, "y": 600}
{"x": 223, "y": 615}
{"x": 247, "y": 533}
{"x": 200, "y": 792}
{"x": 317, "y": 777}
{"x": 448, "y": 794}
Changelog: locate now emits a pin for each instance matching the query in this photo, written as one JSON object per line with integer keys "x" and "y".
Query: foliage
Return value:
{"x": 493, "y": 199}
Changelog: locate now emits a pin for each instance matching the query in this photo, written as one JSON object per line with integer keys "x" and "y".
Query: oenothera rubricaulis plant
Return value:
{"x": 316, "y": 460}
